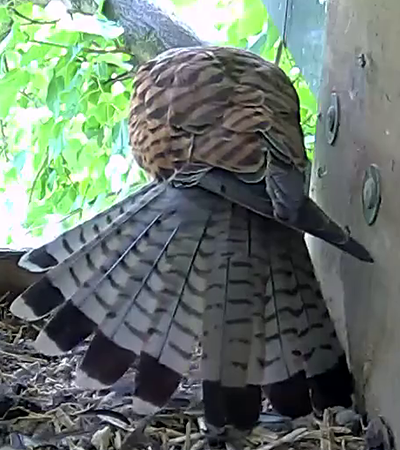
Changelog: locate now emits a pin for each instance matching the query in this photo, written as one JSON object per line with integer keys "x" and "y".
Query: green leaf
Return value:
{"x": 10, "y": 85}
{"x": 23, "y": 102}
{"x": 38, "y": 82}
{"x": 13, "y": 58}
{"x": 307, "y": 98}
{"x": 35, "y": 52}
{"x": 101, "y": 113}
{"x": 101, "y": 70}
{"x": 94, "y": 97}
{"x": 258, "y": 46}
{"x": 120, "y": 138}
{"x": 72, "y": 148}
{"x": 19, "y": 160}
{"x": 43, "y": 184}
{"x": 100, "y": 137}
{"x": 73, "y": 76}
{"x": 44, "y": 134}
{"x": 117, "y": 59}
{"x": 37, "y": 216}
{"x": 251, "y": 23}
{"x": 25, "y": 9}
{"x": 51, "y": 179}
{"x": 183, "y": 3}
{"x": 4, "y": 15}
{"x": 6, "y": 41}
{"x": 91, "y": 127}
{"x": 56, "y": 85}
{"x": 65, "y": 200}
{"x": 57, "y": 141}
{"x": 272, "y": 35}
{"x": 71, "y": 103}
{"x": 232, "y": 33}
{"x": 10, "y": 176}
{"x": 65, "y": 37}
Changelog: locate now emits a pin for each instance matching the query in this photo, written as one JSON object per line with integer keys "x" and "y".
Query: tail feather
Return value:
{"x": 104, "y": 362}
{"x": 167, "y": 266}
{"x": 292, "y": 327}
{"x": 138, "y": 286}
{"x": 148, "y": 384}
{"x": 93, "y": 263}
{"x": 173, "y": 340}
{"x": 317, "y": 340}
{"x": 60, "y": 249}
{"x": 280, "y": 313}
{"x": 67, "y": 329}
{"x": 227, "y": 325}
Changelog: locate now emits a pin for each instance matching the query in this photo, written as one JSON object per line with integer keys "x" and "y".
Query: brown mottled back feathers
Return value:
{"x": 221, "y": 107}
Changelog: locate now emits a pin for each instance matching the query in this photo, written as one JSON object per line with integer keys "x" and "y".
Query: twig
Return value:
{"x": 33, "y": 21}
{"x": 65, "y": 167}
{"x": 36, "y": 101}
{"x": 288, "y": 438}
{"x": 41, "y": 168}
{"x": 123, "y": 76}
{"x": 282, "y": 43}
{"x": 85, "y": 49}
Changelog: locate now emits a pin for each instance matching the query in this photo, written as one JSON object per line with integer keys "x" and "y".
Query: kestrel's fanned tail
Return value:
{"x": 166, "y": 267}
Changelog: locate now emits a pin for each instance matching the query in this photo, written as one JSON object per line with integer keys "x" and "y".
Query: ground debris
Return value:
{"x": 42, "y": 408}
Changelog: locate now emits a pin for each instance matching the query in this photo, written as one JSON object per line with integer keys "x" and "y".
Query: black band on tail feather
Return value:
{"x": 69, "y": 327}
{"x": 239, "y": 407}
{"x": 105, "y": 361}
{"x": 290, "y": 397}
{"x": 296, "y": 396}
{"x": 49, "y": 295}
{"x": 155, "y": 382}
{"x": 333, "y": 387}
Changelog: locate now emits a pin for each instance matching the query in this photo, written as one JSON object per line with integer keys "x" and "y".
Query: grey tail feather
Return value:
{"x": 169, "y": 266}
{"x": 135, "y": 277}
{"x": 50, "y": 255}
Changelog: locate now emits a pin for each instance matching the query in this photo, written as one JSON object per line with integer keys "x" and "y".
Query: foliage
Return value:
{"x": 64, "y": 98}
{"x": 63, "y": 110}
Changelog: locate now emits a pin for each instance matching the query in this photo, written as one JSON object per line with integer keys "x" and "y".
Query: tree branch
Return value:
{"x": 149, "y": 30}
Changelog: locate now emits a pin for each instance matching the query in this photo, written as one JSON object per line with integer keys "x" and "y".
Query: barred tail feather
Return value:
{"x": 58, "y": 250}
{"x": 138, "y": 285}
{"x": 167, "y": 266}
{"x": 100, "y": 248}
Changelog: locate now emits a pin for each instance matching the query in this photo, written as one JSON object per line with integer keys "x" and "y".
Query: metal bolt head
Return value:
{"x": 362, "y": 60}
{"x": 371, "y": 194}
{"x": 321, "y": 171}
{"x": 332, "y": 119}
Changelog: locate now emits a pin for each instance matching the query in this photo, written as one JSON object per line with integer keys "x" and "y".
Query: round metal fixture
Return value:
{"x": 332, "y": 119}
{"x": 371, "y": 194}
